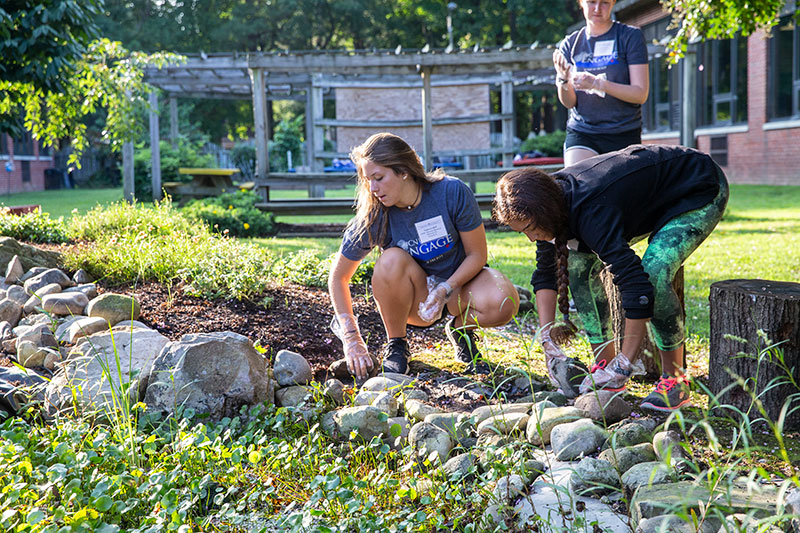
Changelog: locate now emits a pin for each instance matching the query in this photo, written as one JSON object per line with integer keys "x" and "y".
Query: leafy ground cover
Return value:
{"x": 271, "y": 469}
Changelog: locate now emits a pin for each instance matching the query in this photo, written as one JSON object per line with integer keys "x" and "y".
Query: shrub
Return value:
{"x": 244, "y": 157}
{"x": 32, "y": 227}
{"x": 551, "y": 144}
{"x": 186, "y": 154}
{"x": 233, "y": 214}
{"x": 125, "y": 218}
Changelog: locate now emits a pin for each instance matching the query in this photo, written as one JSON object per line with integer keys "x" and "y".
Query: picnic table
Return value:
{"x": 205, "y": 182}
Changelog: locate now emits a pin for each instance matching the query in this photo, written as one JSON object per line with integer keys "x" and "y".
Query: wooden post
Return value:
{"x": 317, "y": 114}
{"x": 427, "y": 120}
{"x": 128, "y": 188}
{"x": 155, "y": 150}
{"x": 507, "y": 108}
{"x": 260, "y": 120}
{"x": 309, "y": 116}
{"x": 648, "y": 350}
{"x": 689, "y": 97}
{"x": 173, "y": 121}
{"x": 748, "y": 317}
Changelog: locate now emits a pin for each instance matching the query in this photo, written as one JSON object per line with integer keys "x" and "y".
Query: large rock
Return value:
{"x": 114, "y": 307}
{"x": 628, "y": 434}
{"x": 645, "y": 474}
{"x": 793, "y": 507}
{"x": 365, "y": 420}
{"x": 541, "y": 423}
{"x": 89, "y": 289}
{"x": 428, "y": 439}
{"x": 29, "y": 256}
{"x": 214, "y": 373}
{"x": 625, "y": 458}
{"x": 458, "y": 467}
{"x": 294, "y": 396}
{"x": 81, "y": 277}
{"x": 457, "y": 425}
{"x": 381, "y": 383}
{"x": 418, "y": 410}
{"x": 685, "y": 496}
{"x": 14, "y": 270}
{"x": 10, "y": 311}
{"x": 667, "y": 445}
{"x": 508, "y": 488}
{"x": 603, "y": 406}
{"x": 52, "y": 275}
{"x": 576, "y": 439}
{"x": 291, "y": 368}
{"x": 504, "y": 424}
{"x": 594, "y": 477}
{"x": 479, "y": 414}
{"x": 334, "y": 389}
{"x": 5, "y": 330}
{"x": 65, "y": 304}
{"x": 383, "y": 400}
{"x": 17, "y": 294}
{"x": 36, "y": 298}
{"x": 102, "y": 363}
{"x": 17, "y": 387}
{"x": 673, "y": 523}
{"x": 83, "y": 327}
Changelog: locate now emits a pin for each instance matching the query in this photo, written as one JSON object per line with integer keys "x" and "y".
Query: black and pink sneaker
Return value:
{"x": 671, "y": 393}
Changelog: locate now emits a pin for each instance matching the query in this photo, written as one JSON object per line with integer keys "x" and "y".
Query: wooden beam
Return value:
{"x": 155, "y": 150}
{"x": 689, "y": 97}
{"x": 427, "y": 120}
{"x": 507, "y": 108}
{"x": 173, "y": 121}
{"x": 412, "y": 123}
{"x": 261, "y": 126}
{"x": 309, "y": 120}
{"x": 318, "y": 139}
{"x": 128, "y": 188}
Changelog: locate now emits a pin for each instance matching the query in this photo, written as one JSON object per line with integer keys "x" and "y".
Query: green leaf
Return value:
{"x": 103, "y": 503}
{"x": 34, "y": 517}
{"x": 254, "y": 457}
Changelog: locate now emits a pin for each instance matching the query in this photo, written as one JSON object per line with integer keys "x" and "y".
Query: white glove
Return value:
{"x": 586, "y": 81}
{"x": 551, "y": 349}
{"x": 345, "y": 326}
{"x": 438, "y": 293}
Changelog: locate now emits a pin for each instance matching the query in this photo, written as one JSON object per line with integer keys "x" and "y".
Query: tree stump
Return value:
{"x": 748, "y": 317}
{"x": 648, "y": 350}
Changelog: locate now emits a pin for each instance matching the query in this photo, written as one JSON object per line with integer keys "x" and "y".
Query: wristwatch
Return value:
{"x": 561, "y": 81}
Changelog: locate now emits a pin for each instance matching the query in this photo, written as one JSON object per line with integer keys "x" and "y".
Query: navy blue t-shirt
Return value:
{"x": 430, "y": 231}
{"x": 610, "y": 53}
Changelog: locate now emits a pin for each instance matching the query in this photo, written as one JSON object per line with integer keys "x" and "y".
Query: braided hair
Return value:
{"x": 532, "y": 194}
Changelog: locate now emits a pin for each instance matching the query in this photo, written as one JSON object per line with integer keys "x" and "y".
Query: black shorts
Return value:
{"x": 602, "y": 144}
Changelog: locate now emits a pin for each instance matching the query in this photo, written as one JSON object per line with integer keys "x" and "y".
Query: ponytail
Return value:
{"x": 563, "y": 332}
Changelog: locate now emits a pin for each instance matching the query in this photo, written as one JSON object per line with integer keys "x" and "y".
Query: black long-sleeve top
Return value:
{"x": 620, "y": 197}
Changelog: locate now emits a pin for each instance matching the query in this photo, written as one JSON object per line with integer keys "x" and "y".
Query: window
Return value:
{"x": 662, "y": 111}
{"x": 26, "y": 170}
{"x": 722, "y": 82}
{"x": 784, "y": 69}
{"x": 24, "y": 144}
{"x": 3, "y": 144}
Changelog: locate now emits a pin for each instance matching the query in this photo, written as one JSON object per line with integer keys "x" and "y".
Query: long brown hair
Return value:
{"x": 534, "y": 195}
{"x": 386, "y": 150}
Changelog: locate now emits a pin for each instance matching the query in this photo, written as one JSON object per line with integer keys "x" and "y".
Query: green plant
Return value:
{"x": 35, "y": 226}
{"x": 551, "y": 144}
{"x": 244, "y": 157}
{"x": 288, "y": 137}
{"x": 234, "y": 214}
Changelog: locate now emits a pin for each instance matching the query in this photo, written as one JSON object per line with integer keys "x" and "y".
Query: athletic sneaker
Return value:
{"x": 395, "y": 355}
{"x": 566, "y": 374}
{"x": 670, "y": 393}
{"x": 611, "y": 377}
{"x": 466, "y": 347}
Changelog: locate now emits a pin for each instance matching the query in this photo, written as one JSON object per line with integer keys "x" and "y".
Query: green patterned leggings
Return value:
{"x": 666, "y": 252}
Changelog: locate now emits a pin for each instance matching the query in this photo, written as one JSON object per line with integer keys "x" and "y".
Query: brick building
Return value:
{"x": 747, "y": 103}
{"x": 22, "y": 164}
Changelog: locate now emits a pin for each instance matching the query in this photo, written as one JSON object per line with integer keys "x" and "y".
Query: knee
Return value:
{"x": 391, "y": 265}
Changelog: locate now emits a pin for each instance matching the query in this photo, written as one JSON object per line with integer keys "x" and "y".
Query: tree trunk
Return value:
{"x": 748, "y": 317}
{"x": 648, "y": 350}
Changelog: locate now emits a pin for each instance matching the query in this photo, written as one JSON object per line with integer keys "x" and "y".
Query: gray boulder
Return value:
{"x": 14, "y": 270}
{"x": 365, "y": 420}
{"x": 429, "y": 440}
{"x": 480, "y": 414}
{"x": 114, "y": 307}
{"x": 17, "y": 387}
{"x": 418, "y": 410}
{"x": 35, "y": 299}
{"x": 10, "y": 311}
{"x": 504, "y": 424}
{"x": 32, "y": 273}
{"x": 541, "y": 424}
{"x": 552, "y": 396}
{"x": 80, "y": 277}
{"x": 644, "y": 475}
{"x": 5, "y": 330}
{"x": 69, "y": 304}
{"x": 30, "y": 256}
{"x": 52, "y": 275}
{"x": 667, "y": 445}
{"x": 83, "y": 327}
{"x": 103, "y": 364}
{"x": 624, "y": 458}
{"x": 291, "y": 368}
{"x": 576, "y": 439}
{"x": 381, "y": 383}
{"x": 508, "y": 488}
{"x": 294, "y": 396}
{"x": 383, "y": 400}
{"x": 673, "y": 523}
{"x": 89, "y": 289}
{"x": 603, "y": 406}
{"x": 457, "y": 425}
{"x": 214, "y": 373}
{"x": 334, "y": 389}
{"x": 17, "y": 294}
{"x": 458, "y": 467}
{"x": 594, "y": 477}
{"x": 628, "y": 434}
{"x": 29, "y": 355}
{"x": 61, "y": 332}
{"x": 793, "y": 507}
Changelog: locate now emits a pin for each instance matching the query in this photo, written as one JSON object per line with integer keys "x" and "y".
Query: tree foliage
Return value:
{"x": 718, "y": 19}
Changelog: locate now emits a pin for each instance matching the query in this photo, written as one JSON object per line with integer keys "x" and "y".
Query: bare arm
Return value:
{"x": 566, "y": 91}
{"x": 476, "y": 255}
{"x": 339, "y": 278}
{"x": 635, "y": 93}
{"x": 546, "y": 307}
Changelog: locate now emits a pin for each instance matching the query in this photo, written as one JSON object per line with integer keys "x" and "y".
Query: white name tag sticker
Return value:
{"x": 603, "y": 48}
{"x": 431, "y": 229}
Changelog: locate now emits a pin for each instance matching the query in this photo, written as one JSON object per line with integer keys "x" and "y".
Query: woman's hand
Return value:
{"x": 359, "y": 363}
{"x": 431, "y": 308}
{"x": 586, "y": 81}
{"x": 563, "y": 67}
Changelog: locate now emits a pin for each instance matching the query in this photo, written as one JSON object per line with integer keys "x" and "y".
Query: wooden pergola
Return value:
{"x": 310, "y": 75}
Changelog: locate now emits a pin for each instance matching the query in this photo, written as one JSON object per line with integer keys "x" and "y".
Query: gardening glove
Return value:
{"x": 345, "y": 326}
{"x": 551, "y": 349}
{"x": 438, "y": 293}
{"x": 588, "y": 82}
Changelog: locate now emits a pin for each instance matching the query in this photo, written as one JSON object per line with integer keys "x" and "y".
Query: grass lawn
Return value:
{"x": 759, "y": 237}
{"x": 61, "y": 202}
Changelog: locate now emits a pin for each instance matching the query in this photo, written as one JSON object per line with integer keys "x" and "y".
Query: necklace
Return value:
{"x": 419, "y": 193}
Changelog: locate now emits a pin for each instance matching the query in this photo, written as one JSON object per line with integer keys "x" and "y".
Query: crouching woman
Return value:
{"x": 432, "y": 262}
